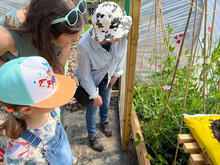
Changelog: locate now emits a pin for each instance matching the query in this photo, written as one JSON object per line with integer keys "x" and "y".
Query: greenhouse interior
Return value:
{"x": 167, "y": 100}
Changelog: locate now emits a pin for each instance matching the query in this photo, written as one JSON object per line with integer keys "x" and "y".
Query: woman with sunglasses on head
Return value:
{"x": 101, "y": 58}
{"x": 44, "y": 28}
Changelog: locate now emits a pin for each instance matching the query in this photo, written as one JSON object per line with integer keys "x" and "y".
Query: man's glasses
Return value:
{"x": 72, "y": 17}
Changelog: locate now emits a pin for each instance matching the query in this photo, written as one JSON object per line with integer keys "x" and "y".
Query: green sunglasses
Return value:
{"x": 72, "y": 17}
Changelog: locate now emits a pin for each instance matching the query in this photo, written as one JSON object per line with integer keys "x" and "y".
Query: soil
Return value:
{"x": 215, "y": 126}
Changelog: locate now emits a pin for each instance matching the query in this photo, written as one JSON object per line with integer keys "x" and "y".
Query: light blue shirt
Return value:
{"x": 94, "y": 62}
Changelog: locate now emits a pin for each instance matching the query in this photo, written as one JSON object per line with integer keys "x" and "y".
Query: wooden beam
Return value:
{"x": 192, "y": 148}
{"x": 135, "y": 6}
{"x": 198, "y": 159}
{"x": 185, "y": 138}
{"x": 140, "y": 148}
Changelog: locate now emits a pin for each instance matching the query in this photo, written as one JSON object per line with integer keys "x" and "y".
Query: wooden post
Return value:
{"x": 135, "y": 6}
{"x": 204, "y": 62}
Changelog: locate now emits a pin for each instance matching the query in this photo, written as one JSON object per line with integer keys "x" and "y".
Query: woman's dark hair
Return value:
{"x": 37, "y": 25}
{"x": 14, "y": 125}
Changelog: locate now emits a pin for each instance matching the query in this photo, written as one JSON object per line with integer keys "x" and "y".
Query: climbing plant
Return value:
{"x": 150, "y": 97}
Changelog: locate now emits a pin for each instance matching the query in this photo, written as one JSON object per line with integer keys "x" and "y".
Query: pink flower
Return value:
{"x": 178, "y": 41}
{"x": 175, "y": 37}
{"x": 209, "y": 28}
{"x": 158, "y": 66}
{"x": 142, "y": 74}
{"x": 166, "y": 88}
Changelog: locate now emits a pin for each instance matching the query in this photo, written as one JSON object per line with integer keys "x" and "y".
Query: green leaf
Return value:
{"x": 138, "y": 136}
{"x": 136, "y": 143}
{"x": 133, "y": 108}
{"x": 158, "y": 133}
{"x": 187, "y": 51}
{"x": 150, "y": 61}
{"x": 215, "y": 58}
{"x": 217, "y": 95}
{"x": 171, "y": 48}
{"x": 149, "y": 157}
{"x": 204, "y": 71}
{"x": 160, "y": 157}
{"x": 170, "y": 30}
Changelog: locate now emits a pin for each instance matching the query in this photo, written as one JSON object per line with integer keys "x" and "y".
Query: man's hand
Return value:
{"x": 97, "y": 101}
{"x": 112, "y": 81}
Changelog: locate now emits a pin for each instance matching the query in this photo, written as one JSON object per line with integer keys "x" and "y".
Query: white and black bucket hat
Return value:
{"x": 109, "y": 22}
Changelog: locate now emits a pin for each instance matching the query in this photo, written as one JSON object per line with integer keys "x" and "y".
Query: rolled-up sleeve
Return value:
{"x": 86, "y": 79}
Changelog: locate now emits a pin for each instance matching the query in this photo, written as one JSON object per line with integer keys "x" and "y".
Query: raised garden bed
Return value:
{"x": 138, "y": 136}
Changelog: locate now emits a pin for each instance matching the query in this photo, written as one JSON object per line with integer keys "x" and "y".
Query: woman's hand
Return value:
{"x": 97, "y": 101}
{"x": 112, "y": 81}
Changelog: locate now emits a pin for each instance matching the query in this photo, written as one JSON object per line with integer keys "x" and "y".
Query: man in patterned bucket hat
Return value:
{"x": 109, "y": 22}
{"x": 101, "y": 59}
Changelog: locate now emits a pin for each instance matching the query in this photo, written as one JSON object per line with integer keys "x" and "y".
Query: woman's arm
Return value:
{"x": 6, "y": 43}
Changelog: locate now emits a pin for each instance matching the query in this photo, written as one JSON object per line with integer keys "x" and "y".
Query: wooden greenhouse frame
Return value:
{"x": 130, "y": 120}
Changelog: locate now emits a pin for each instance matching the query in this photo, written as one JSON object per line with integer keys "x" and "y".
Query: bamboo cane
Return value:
{"x": 177, "y": 63}
{"x": 187, "y": 82}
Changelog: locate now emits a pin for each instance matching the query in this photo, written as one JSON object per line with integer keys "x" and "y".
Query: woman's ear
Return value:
{"x": 27, "y": 110}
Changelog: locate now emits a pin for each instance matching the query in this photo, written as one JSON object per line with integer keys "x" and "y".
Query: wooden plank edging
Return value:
{"x": 190, "y": 146}
{"x": 185, "y": 138}
{"x": 140, "y": 149}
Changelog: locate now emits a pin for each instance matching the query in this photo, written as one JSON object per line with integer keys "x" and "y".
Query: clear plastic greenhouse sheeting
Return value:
{"x": 11, "y": 5}
{"x": 175, "y": 14}
{"x": 216, "y": 34}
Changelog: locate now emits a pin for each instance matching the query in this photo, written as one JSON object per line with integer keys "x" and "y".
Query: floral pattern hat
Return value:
{"x": 109, "y": 22}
